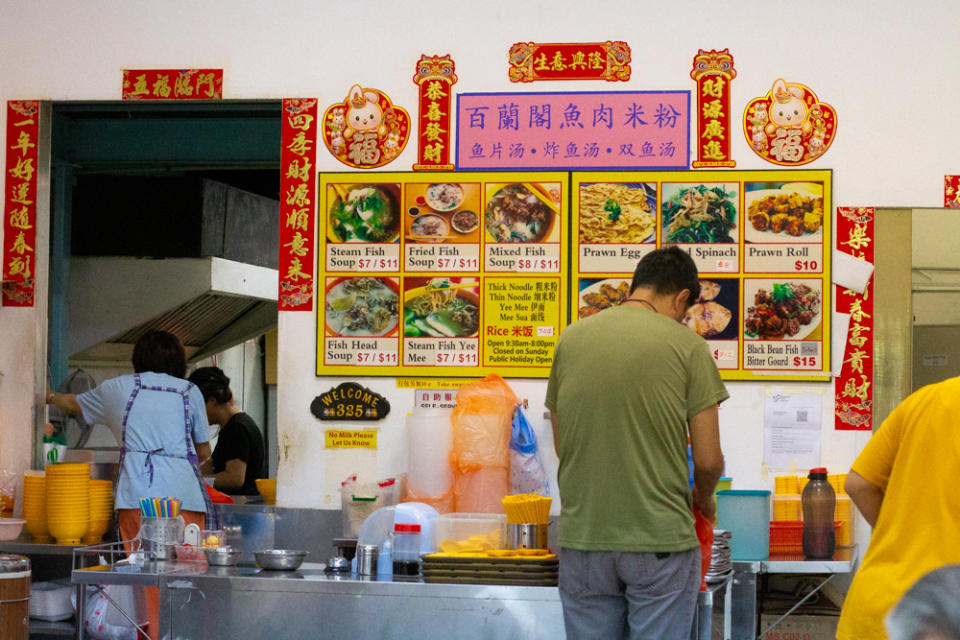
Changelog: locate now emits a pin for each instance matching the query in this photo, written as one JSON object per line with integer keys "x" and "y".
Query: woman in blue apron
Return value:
{"x": 160, "y": 421}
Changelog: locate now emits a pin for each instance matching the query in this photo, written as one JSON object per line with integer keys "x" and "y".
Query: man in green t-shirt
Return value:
{"x": 627, "y": 387}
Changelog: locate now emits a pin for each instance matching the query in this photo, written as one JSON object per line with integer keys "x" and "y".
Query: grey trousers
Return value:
{"x": 609, "y": 595}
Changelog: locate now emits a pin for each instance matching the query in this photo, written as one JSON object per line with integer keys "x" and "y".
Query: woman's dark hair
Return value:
{"x": 160, "y": 352}
{"x": 668, "y": 270}
{"x": 213, "y": 383}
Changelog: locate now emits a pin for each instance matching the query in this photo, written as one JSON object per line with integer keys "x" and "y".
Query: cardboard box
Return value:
{"x": 800, "y": 627}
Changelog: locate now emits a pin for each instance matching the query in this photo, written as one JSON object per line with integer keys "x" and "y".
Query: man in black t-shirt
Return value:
{"x": 238, "y": 459}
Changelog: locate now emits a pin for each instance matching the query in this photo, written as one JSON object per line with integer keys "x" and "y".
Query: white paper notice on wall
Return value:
{"x": 839, "y": 326}
{"x": 934, "y": 359}
{"x": 791, "y": 430}
{"x": 849, "y": 272}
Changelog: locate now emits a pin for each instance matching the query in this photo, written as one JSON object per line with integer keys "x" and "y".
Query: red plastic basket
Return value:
{"x": 787, "y": 536}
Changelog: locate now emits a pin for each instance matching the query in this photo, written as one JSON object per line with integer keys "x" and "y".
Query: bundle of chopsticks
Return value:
{"x": 159, "y": 507}
{"x": 527, "y": 508}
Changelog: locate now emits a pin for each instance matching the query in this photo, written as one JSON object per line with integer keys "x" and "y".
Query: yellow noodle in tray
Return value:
{"x": 611, "y": 212}
{"x": 527, "y": 508}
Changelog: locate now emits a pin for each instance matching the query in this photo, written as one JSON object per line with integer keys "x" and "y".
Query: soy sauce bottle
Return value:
{"x": 406, "y": 550}
{"x": 819, "y": 502}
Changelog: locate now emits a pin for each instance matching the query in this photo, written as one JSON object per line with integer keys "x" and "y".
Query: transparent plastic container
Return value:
{"x": 470, "y": 531}
{"x": 406, "y": 549}
{"x": 746, "y": 515}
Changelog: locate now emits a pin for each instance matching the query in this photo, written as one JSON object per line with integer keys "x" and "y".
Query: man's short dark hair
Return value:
{"x": 213, "y": 383}
{"x": 668, "y": 270}
{"x": 160, "y": 352}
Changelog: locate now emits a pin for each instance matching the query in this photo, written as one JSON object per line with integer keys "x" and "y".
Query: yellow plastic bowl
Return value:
{"x": 268, "y": 489}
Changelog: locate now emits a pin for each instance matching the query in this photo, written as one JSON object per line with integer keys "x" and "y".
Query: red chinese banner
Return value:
{"x": 298, "y": 190}
{"x": 608, "y": 61}
{"x": 951, "y": 192}
{"x": 172, "y": 84}
{"x": 20, "y": 209}
{"x": 435, "y": 76}
{"x": 853, "y": 388}
{"x": 713, "y": 70}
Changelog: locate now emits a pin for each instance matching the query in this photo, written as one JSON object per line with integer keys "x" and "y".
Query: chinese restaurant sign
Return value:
{"x": 760, "y": 240}
{"x": 20, "y": 210}
{"x": 441, "y": 274}
{"x": 951, "y": 192}
{"x": 853, "y": 388}
{"x": 590, "y": 130}
{"x": 366, "y": 130}
{"x": 713, "y": 70}
{"x": 298, "y": 136}
{"x": 435, "y": 77}
{"x": 172, "y": 84}
{"x": 789, "y": 126}
{"x": 608, "y": 61}
{"x": 350, "y": 401}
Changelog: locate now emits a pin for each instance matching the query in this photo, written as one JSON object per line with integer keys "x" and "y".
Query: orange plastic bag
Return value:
{"x": 480, "y": 458}
{"x": 705, "y": 536}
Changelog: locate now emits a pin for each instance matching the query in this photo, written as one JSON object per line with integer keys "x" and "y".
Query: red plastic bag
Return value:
{"x": 705, "y": 536}
{"x": 217, "y": 497}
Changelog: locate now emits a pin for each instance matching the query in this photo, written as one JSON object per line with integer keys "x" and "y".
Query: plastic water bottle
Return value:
{"x": 819, "y": 502}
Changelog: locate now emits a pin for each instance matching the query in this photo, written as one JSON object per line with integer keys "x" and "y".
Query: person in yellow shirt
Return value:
{"x": 905, "y": 483}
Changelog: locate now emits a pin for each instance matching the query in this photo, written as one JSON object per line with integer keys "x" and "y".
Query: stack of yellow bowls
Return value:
{"x": 35, "y": 507}
{"x": 101, "y": 510}
{"x": 68, "y": 501}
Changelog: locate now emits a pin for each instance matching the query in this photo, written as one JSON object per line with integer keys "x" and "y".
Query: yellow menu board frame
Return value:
{"x": 775, "y": 278}
{"x": 518, "y": 290}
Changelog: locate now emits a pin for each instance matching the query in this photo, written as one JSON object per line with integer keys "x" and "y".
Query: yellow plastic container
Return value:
{"x": 785, "y": 485}
{"x": 786, "y": 508}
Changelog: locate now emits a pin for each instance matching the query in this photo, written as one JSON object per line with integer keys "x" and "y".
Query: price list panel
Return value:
{"x": 760, "y": 240}
{"x": 441, "y": 274}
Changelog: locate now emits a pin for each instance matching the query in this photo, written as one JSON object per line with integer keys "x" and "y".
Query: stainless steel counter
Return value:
{"x": 746, "y": 584}
{"x": 197, "y": 601}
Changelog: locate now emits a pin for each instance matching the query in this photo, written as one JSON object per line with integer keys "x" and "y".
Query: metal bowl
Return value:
{"x": 222, "y": 556}
{"x": 279, "y": 559}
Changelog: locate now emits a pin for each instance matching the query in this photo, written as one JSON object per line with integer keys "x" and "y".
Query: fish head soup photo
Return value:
{"x": 361, "y": 306}
{"x": 521, "y": 212}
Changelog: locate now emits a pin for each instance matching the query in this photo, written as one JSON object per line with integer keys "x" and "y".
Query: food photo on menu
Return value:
{"x": 522, "y": 212}
{"x": 617, "y": 212}
{"x": 714, "y": 315}
{"x": 597, "y": 294}
{"x": 782, "y": 309}
{"x": 361, "y": 306}
{"x": 700, "y": 213}
{"x": 363, "y": 212}
{"x": 441, "y": 307}
{"x": 442, "y": 212}
{"x": 786, "y": 212}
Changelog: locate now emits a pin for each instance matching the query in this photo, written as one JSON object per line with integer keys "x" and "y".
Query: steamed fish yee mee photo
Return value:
{"x": 612, "y": 212}
{"x": 516, "y": 214}
{"x": 363, "y": 213}
{"x": 442, "y": 310}
{"x": 362, "y": 307}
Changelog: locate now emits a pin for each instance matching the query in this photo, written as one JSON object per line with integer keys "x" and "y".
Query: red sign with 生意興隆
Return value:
{"x": 19, "y": 206}
{"x": 573, "y": 130}
{"x": 530, "y": 61}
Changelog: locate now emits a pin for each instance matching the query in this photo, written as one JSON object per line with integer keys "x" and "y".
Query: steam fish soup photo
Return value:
{"x": 520, "y": 213}
{"x": 361, "y": 306}
{"x": 363, "y": 212}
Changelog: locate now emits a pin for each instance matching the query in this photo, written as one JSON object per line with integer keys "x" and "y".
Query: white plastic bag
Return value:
{"x": 102, "y": 621}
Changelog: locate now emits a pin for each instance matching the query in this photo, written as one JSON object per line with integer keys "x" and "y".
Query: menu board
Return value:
{"x": 760, "y": 240}
{"x": 441, "y": 274}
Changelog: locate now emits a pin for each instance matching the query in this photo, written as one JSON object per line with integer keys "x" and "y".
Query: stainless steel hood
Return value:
{"x": 210, "y": 303}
